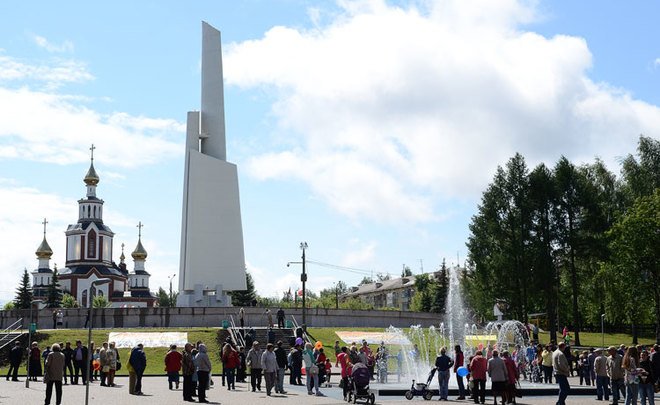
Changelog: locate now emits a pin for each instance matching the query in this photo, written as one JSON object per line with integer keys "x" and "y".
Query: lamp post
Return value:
{"x": 336, "y": 295}
{"x": 96, "y": 282}
{"x": 303, "y": 279}
{"x": 171, "y": 278}
{"x": 29, "y": 344}
{"x": 602, "y": 329}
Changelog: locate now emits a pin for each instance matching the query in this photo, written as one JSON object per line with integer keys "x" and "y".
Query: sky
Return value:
{"x": 368, "y": 129}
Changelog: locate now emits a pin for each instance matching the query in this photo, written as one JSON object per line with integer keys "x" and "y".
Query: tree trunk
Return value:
{"x": 656, "y": 298}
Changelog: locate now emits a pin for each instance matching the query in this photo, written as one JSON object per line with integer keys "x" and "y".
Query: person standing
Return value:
{"x": 281, "y": 357}
{"x": 478, "y": 368}
{"x": 646, "y": 379}
{"x": 498, "y": 375}
{"x": 187, "y": 369}
{"x": 80, "y": 356}
{"x": 241, "y": 373}
{"x": 241, "y": 318}
{"x": 546, "y": 364}
{"x": 15, "y": 357}
{"x": 254, "y": 363}
{"x": 591, "y": 359}
{"x": 53, "y": 373}
{"x": 203, "y": 364}
{"x": 296, "y": 365}
{"x": 562, "y": 371}
{"x": 60, "y": 318}
{"x": 103, "y": 363}
{"x": 112, "y": 357}
{"x": 269, "y": 365}
{"x": 655, "y": 363}
{"x": 280, "y": 318}
{"x": 512, "y": 375}
{"x": 173, "y": 366}
{"x": 138, "y": 362}
{"x": 231, "y": 362}
{"x": 630, "y": 364}
{"x": 458, "y": 363}
{"x": 34, "y": 359}
{"x": 602, "y": 379}
{"x": 311, "y": 370}
{"x": 68, "y": 361}
{"x": 269, "y": 317}
{"x": 615, "y": 372}
{"x": 443, "y": 364}
{"x": 54, "y": 319}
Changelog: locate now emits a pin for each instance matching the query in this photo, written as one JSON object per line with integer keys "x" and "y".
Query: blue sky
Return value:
{"x": 368, "y": 129}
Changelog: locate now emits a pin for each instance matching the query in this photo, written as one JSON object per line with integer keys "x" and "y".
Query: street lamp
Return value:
{"x": 171, "y": 278}
{"x": 303, "y": 278}
{"x": 29, "y": 345}
{"x": 96, "y": 282}
{"x": 602, "y": 329}
{"x": 336, "y": 295}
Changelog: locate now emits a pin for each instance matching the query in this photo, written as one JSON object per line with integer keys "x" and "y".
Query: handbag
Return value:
{"x": 105, "y": 369}
{"x": 118, "y": 365}
{"x": 314, "y": 369}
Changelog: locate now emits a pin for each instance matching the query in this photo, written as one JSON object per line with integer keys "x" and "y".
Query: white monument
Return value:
{"x": 212, "y": 256}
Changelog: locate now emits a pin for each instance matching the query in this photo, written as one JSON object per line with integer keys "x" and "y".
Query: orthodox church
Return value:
{"x": 89, "y": 251}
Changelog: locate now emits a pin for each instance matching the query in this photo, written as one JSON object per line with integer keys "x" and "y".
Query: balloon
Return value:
{"x": 318, "y": 345}
{"x": 462, "y": 371}
{"x": 299, "y": 341}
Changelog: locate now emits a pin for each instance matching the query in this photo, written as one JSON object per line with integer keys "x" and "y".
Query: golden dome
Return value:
{"x": 91, "y": 178}
{"x": 44, "y": 251}
{"x": 139, "y": 253}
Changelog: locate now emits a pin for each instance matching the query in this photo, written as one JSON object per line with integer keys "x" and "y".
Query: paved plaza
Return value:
{"x": 157, "y": 392}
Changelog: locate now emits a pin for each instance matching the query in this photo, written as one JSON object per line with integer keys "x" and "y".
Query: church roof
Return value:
{"x": 86, "y": 268}
{"x": 91, "y": 178}
{"x": 83, "y": 225}
{"x": 44, "y": 251}
{"x": 139, "y": 253}
{"x": 141, "y": 273}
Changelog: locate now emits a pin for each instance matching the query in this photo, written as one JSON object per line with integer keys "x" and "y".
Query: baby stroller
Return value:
{"x": 421, "y": 389}
{"x": 359, "y": 385}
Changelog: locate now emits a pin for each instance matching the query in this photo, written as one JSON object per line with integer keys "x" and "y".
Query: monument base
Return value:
{"x": 204, "y": 297}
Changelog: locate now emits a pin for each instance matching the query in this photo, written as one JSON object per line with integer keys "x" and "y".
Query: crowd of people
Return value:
{"x": 629, "y": 373}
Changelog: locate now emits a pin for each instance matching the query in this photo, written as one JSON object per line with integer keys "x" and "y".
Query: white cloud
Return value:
{"x": 53, "y": 74}
{"x": 65, "y": 127}
{"x": 656, "y": 63}
{"x": 268, "y": 284}
{"x": 42, "y": 42}
{"x": 392, "y": 110}
{"x": 363, "y": 254}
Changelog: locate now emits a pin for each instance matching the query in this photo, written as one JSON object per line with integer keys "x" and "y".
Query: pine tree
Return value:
{"x": 54, "y": 299}
{"x": 24, "y": 292}
{"x": 245, "y": 298}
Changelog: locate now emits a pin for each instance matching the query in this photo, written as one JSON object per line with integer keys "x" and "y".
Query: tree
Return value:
{"x": 9, "y": 306}
{"x": 406, "y": 272}
{"x": 366, "y": 280}
{"x": 54, "y": 294}
{"x": 163, "y": 298}
{"x": 69, "y": 301}
{"x": 100, "y": 301}
{"x": 24, "y": 295}
{"x": 421, "y": 301}
{"x": 245, "y": 298}
{"x": 380, "y": 277}
{"x": 439, "y": 289}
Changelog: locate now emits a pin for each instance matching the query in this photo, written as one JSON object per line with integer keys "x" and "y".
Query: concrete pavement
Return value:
{"x": 157, "y": 392}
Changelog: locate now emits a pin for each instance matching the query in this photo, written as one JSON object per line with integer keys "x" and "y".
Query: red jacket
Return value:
{"x": 231, "y": 359}
{"x": 511, "y": 369}
{"x": 478, "y": 367}
{"x": 458, "y": 362}
{"x": 173, "y": 361}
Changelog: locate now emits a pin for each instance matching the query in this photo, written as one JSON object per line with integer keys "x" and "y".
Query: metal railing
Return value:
{"x": 11, "y": 333}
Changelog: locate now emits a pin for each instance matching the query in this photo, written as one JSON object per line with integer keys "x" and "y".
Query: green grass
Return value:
{"x": 594, "y": 339}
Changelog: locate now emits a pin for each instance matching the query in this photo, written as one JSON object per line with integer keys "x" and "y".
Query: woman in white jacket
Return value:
{"x": 269, "y": 364}
{"x": 311, "y": 370}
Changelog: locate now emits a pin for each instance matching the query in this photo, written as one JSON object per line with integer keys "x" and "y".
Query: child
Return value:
{"x": 328, "y": 372}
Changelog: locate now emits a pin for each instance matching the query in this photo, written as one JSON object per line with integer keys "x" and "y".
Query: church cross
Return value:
{"x": 92, "y": 149}
{"x": 44, "y": 224}
{"x": 139, "y": 226}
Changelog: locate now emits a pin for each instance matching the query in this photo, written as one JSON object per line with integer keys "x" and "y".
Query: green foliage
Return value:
{"x": 100, "y": 301}
{"x": 247, "y": 297}
{"x": 366, "y": 280}
{"x": 565, "y": 242}
{"x": 165, "y": 300}
{"x": 431, "y": 291}
{"x": 54, "y": 294}
{"x": 9, "y": 306}
{"x": 406, "y": 272}
{"x": 24, "y": 292}
{"x": 68, "y": 301}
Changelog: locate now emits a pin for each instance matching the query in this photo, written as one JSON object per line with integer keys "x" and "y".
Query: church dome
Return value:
{"x": 139, "y": 253}
{"x": 44, "y": 251}
{"x": 91, "y": 178}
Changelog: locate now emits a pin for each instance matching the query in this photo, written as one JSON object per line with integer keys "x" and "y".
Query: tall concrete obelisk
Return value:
{"x": 212, "y": 255}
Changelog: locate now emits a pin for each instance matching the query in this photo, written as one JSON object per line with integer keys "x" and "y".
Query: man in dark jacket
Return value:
{"x": 280, "y": 356}
{"x": 15, "y": 357}
{"x": 68, "y": 361}
{"x": 655, "y": 362}
{"x": 138, "y": 361}
{"x": 80, "y": 359}
{"x": 296, "y": 365}
{"x": 187, "y": 370}
{"x": 280, "y": 318}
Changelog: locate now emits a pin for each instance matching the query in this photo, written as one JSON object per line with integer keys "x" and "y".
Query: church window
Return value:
{"x": 142, "y": 282}
{"x": 84, "y": 299}
{"x": 91, "y": 244}
{"x": 94, "y": 211}
{"x": 88, "y": 211}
